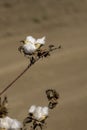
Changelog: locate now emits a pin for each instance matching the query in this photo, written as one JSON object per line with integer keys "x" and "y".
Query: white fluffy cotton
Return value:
{"x": 38, "y": 112}
{"x": 16, "y": 124}
{"x": 45, "y": 111}
{"x": 9, "y": 123}
{"x": 32, "y": 44}
{"x": 41, "y": 40}
{"x": 5, "y": 122}
{"x": 29, "y": 48}
{"x": 32, "y": 109}
{"x": 30, "y": 39}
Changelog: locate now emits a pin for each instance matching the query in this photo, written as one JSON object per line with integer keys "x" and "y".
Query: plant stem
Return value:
{"x": 10, "y": 85}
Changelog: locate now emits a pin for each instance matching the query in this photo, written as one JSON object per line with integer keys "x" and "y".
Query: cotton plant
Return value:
{"x": 37, "y": 115}
{"x": 6, "y": 122}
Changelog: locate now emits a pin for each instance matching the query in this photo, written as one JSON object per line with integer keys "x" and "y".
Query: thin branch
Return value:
{"x": 45, "y": 54}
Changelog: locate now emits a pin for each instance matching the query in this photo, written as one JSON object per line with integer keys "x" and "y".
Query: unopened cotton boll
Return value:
{"x": 32, "y": 109}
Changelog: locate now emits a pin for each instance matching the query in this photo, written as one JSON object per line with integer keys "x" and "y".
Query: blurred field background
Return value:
{"x": 62, "y": 22}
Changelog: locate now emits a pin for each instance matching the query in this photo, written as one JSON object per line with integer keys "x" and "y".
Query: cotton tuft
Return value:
{"x": 32, "y": 44}
{"x": 32, "y": 109}
{"x": 30, "y": 39}
{"x": 41, "y": 40}
{"x": 45, "y": 111}
{"x": 9, "y": 123}
{"x": 38, "y": 113}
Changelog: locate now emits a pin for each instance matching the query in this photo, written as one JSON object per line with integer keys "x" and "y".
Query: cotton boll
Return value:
{"x": 32, "y": 109}
{"x": 32, "y": 45}
{"x": 41, "y": 40}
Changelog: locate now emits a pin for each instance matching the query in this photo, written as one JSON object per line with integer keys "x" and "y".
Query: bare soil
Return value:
{"x": 62, "y": 22}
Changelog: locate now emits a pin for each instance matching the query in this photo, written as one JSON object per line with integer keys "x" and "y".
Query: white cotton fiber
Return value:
{"x": 32, "y": 109}
{"x": 16, "y": 124}
{"x": 9, "y": 123}
{"x": 38, "y": 113}
{"x": 5, "y": 122}
{"x": 45, "y": 111}
{"x": 41, "y": 40}
{"x": 29, "y": 48}
{"x": 30, "y": 39}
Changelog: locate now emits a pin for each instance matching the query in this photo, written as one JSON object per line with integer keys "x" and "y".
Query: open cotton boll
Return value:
{"x": 41, "y": 40}
{"x": 30, "y": 39}
{"x": 38, "y": 113}
{"x": 32, "y": 109}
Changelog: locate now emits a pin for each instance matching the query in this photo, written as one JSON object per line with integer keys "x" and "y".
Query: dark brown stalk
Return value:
{"x": 27, "y": 68}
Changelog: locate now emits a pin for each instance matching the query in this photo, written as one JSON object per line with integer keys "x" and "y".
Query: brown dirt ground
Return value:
{"x": 62, "y": 22}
